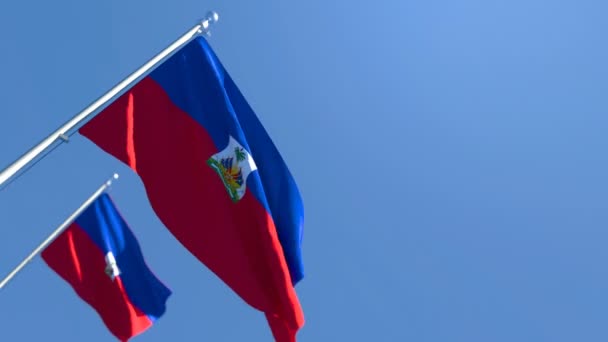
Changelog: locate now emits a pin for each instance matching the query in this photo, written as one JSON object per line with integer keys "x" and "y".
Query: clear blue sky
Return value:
{"x": 451, "y": 156}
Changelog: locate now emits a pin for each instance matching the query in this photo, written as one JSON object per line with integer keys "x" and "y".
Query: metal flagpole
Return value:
{"x": 63, "y": 132}
{"x": 59, "y": 230}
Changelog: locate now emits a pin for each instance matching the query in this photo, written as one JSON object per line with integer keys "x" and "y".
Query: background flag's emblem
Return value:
{"x": 233, "y": 164}
{"x": 112, "y": 269}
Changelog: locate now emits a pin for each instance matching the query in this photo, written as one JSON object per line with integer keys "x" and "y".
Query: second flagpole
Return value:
{"x": 62, "y": 133}
{"x": 59, "y": 230}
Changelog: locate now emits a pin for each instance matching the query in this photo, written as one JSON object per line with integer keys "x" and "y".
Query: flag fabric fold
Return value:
{"x": 214, "y": 178}
{"x": 99, "y": 256}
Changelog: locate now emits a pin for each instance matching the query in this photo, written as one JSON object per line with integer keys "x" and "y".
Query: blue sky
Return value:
{"x": 451, "y": 156}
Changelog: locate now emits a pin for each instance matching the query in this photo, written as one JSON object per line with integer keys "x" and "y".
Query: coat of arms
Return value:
{"x": 233, "y": 164}
{"x": 112, "y": 269}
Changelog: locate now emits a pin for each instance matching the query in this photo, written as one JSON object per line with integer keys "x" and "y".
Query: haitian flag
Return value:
{"x": 214, "y": 178}
{"x": 100, "y": 258}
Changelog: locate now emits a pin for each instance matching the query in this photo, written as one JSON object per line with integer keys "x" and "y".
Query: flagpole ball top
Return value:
{"x": 114, "y": 176}
{"x": 210, "y": 18}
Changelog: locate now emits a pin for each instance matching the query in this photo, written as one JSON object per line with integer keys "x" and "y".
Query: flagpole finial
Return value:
{"x": 109, "y": 182}
{"x": 210, "y": 18}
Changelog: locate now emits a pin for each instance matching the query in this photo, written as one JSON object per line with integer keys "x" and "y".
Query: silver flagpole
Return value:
{"x": 59, "y": 230}
{"x": 63, "y": 132}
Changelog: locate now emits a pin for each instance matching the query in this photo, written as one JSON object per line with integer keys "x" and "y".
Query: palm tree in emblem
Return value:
{"x": 240, "y": 155}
